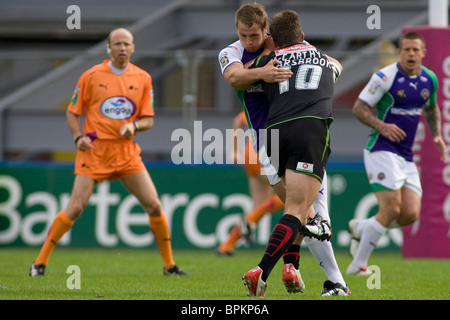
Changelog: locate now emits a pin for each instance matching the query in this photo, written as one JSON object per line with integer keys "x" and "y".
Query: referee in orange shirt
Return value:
{"x": 116, "y": 98}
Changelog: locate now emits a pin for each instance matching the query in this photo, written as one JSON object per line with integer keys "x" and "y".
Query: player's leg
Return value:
{"x": 411, "y": 197}
{"x": 260, "y": 192}
{"x": 263, "y": 203}
{"x": 323, "y": 250}
{"x": 386, "y": 173}
{"x": 291, "y": 275}
{"x": 389, "y": 202}
{"x": 270, "y": 205}
{"x": 82, "y": 190}
{"x": 319, "y": 224}
{"x": 301, "y": 190}
{"x": 142, "y": 187}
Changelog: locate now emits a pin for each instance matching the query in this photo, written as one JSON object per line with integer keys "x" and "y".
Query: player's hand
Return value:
{"x": 440, "y": 145}
{"x": 392, "y": 132}
{"x": 84, "y": 143}
{"x": 271, "y": 74}
{"x": 127, "y": 130}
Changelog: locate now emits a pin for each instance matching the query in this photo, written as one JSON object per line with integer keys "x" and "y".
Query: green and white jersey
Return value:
{"x": 399, "y": 98}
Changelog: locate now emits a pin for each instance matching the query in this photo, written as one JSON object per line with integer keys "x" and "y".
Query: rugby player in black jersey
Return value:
{"x": 301, "y": 112}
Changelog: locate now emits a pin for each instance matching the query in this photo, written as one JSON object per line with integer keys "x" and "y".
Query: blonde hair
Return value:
{"x": 250, "y": 13}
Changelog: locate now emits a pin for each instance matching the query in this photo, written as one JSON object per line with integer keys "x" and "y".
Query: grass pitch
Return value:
{"x": 126, "y": 274}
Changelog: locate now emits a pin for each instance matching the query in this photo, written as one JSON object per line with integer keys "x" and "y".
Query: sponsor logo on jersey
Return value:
{"x": 401, "y": 93}
{"x": 255, "y": 88}
{"x": 407, "y": 112}
{"x": 305, "y": 167}
{"x": 414, "y": 85}
{"x": 374, "y": 85}
{"x": 224, "y": 61}
{"x": 382, "y": 76}
{"x": 75, "y": 95}
{"x": 297, "y": 47}
{"x": 118, "y": 108}
{"x": 425, "y": 94}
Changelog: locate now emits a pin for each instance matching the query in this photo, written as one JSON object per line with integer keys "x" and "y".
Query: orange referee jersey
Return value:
{"x": 108, "y": 101}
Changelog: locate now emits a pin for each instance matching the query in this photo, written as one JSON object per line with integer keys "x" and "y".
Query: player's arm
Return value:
{"x": 145, "y": 123}
{"x": 130, "y": 128}
{"x": 82, "y": 142}
{"x": 433, "y": 119}
{"x": 241, "y": 78}
{"x": 337, "y": 67}
{"x": 363, "y": 112}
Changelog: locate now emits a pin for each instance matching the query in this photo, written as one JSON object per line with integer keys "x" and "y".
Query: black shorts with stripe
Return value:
{"x": 302, "y": 145}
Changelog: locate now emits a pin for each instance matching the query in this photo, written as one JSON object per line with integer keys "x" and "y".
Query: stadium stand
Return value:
{"x": 177, "y": 42}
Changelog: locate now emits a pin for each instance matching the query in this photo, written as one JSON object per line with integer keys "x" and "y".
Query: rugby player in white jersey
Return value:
{"x": 400, "y": 93}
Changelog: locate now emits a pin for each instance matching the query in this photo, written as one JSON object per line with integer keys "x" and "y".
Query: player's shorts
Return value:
{"x": 110, "y": 160}
{"x": 389, "y": 171}
{"x": 303, "y": 146}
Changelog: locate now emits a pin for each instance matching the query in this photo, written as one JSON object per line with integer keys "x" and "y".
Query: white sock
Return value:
{"x": 360, "y": 226}
{"x": 372, "y": 232}
{"x": 323, "y": 252}
{"x": 321, "y": 202}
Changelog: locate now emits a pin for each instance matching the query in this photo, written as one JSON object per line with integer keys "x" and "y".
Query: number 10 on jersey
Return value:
{"x": 307, "y": 78}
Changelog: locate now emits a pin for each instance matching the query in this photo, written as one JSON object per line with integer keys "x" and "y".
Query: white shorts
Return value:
{"x": 269, "y": 169}
{"x": 389, "y": 171}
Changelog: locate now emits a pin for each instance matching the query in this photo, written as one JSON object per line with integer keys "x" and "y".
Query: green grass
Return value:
{"x": 125, "y": 274}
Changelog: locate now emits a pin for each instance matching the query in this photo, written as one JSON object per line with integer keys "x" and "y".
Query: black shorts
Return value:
{"x": 302, "y": 145}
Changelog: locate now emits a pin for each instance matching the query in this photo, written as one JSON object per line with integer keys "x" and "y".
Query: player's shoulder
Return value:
{"x": 263, "y": 60}
{"x": 95, "y": 69}
{"x": 234, "y": 49}
{"x": 387, "y": 72}
{"x": 235, "y": 46}
{"x": 135, "y": 69}
{"x": 430, "y": 73}
{"x": 139, "y": 73}
{"x": 384, "y": 77}
{"x": 230, "y": 54}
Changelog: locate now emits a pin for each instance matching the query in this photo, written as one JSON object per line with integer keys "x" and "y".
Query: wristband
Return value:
{"x": 78, "y": 138}
{"x": 136, "y": 125}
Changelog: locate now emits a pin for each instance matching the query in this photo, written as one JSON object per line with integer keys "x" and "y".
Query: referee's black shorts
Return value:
{"x": 302, "y": 145}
